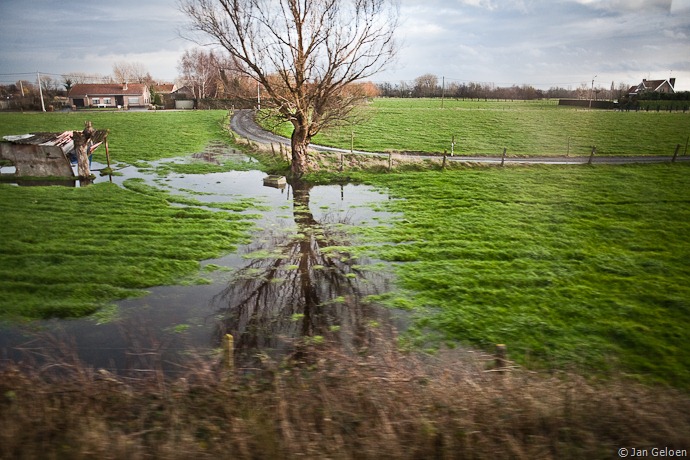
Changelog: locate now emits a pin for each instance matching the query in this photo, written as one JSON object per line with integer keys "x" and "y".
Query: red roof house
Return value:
{"x": 120, "y": 95}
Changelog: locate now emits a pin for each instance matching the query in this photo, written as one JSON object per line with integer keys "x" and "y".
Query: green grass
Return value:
{"x": 568, "y": 266}
{"x": 134, "y": 136}
{"x": 67, "y": 251}
{"x": 525, "y": 128}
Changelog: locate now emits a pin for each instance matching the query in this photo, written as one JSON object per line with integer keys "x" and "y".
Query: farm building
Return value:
{"x": 165, "y": 92}
{"x": 113, "y": 95}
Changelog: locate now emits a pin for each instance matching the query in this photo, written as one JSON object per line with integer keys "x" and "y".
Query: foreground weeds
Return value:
{"x": 328, "y": 405}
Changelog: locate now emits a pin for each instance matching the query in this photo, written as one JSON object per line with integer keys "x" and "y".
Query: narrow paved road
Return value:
{"x": 243, "y": 123}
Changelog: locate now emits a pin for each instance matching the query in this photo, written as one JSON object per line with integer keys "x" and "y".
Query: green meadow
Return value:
{"x": 134, "y": 136}
{"x": 571, "y": 267}
{"x": 524, "y": 128}
{"x": 68, "y": 251}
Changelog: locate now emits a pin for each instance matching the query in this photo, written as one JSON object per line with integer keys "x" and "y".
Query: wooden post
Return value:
{"x": 675, "y": 154}
{"x": 591, "y": 155}
{"x": 107, "y": 152}
{"x": 390, "y": 161}
{"x": 452, "y": 145}
{"x": 503, "y": 157}
{"x": 500, "y": 357}
{"x": 444, "y": 161}
{"x": 81, "y": 147}
{"x": 229, "y": 348}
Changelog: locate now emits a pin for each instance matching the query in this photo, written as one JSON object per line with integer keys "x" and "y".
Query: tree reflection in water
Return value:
{"x": 303, "y": 285}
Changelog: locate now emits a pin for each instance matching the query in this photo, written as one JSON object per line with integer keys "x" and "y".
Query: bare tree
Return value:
{"x": 130, "y": 72}
{"x": 199, "y": 71}
{"x": 211, "y": 74}
{"x": 426, "y": 85}
{"x": 304, "y": 53}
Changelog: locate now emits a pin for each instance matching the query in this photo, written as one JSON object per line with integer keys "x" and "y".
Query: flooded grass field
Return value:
{"x": 581, "y": 271}
{"x": 568, "y": 266}
{"x": 278, "y": 265}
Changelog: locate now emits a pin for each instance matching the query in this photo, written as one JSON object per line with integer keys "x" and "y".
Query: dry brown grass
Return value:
{"x": 332, "y": 405}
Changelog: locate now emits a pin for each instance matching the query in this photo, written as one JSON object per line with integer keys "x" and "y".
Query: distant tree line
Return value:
{"x": 429, "y": 85}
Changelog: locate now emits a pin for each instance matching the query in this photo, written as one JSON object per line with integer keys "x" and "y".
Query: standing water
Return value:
{"x": 297, "y": 280}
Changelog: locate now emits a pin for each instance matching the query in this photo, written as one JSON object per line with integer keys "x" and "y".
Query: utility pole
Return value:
{"x": 591, "y": 93}
{"x": 40, "y": 91}
{"x": 443, "y": 89}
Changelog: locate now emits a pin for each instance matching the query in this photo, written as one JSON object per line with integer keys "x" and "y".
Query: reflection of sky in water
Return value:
{"x": 156, "y": 321}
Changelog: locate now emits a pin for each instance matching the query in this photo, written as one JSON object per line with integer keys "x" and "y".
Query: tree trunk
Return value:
{"x": 83, "y": 141}
{"x": 299, "y": 143}
{"x": 81, "y": 148}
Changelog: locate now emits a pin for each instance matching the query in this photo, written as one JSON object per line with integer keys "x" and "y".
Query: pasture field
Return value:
{"x": 134, "y": 136}
{"x": 524, "y": 128}
{"x": 571, "y": 267}
{"x": 68, "y": 251}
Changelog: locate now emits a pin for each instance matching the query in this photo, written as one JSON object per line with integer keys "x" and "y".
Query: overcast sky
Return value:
{"x": 540, "y": 42}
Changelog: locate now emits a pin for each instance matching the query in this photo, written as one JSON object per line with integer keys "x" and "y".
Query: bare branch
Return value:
{"x": 304, "y": 53}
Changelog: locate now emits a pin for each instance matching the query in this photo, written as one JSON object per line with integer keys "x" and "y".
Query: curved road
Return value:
{"x": 243, "y": 123}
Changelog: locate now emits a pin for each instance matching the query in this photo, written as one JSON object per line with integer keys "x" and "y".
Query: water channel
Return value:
{"x": 296, "y": 279}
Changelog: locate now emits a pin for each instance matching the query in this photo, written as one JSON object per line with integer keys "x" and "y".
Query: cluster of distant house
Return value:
{"x": 138, "y": 95}
{"x": 128, "y": 95}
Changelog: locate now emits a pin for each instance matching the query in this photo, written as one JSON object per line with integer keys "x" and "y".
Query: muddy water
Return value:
{"x": 296, "y": 279}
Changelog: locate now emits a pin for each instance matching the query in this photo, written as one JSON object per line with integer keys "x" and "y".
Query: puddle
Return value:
{"x": 296, "y": 279}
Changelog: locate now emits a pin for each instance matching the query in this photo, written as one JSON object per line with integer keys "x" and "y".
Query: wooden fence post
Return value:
{"x": 675, "y": 154}
{"x": 503, "y": 157}
{"x": 591, "y": 155}
{"x": 229, "y": 346}
{"x": 501, "y": 359}
{"x": 107, "y": 152}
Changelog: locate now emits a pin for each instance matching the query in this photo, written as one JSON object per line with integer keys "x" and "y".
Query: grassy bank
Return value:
{"x": 575, "y": 267}
{"x": 67, "y": 251}
{"x": 532, "y": 128}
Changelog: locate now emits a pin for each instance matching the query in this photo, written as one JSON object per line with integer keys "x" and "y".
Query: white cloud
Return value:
{"x": 628, "y": 5}
{"x": 676, "y": 35}
{"x": 680, "y": 6}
